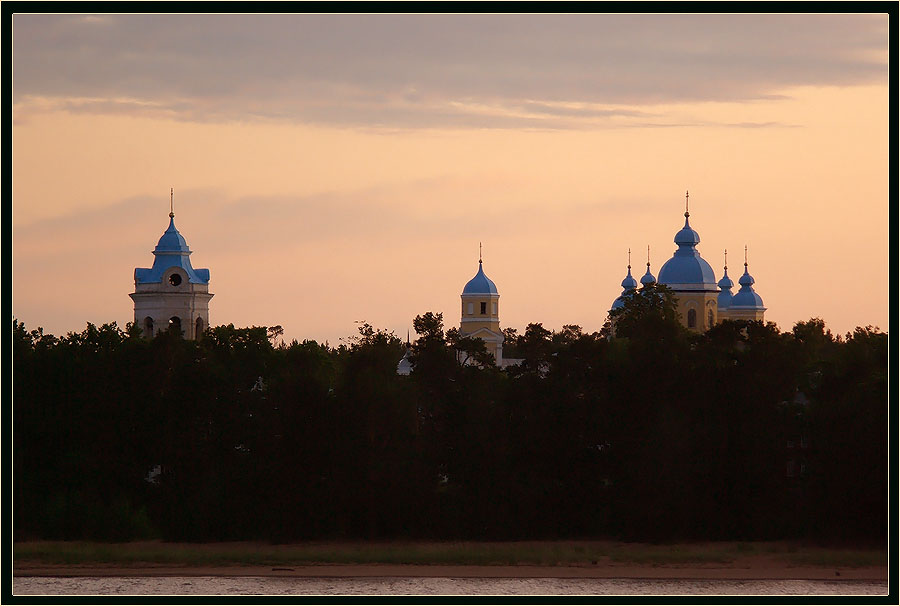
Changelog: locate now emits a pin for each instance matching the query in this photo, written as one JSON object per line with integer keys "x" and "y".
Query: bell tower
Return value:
{"x": 171, "y": 295}
{"x": 481, "y": 313}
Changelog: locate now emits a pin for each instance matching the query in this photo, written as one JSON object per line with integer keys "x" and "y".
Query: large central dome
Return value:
{"x": 687, "y": 270}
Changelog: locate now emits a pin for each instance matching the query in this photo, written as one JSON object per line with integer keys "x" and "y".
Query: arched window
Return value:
{"x": 175, "y": 324}
{"x": 199, "y": 332}
{"x": 148, "y": 326}
{"x": 709, "y": 317}
{"x": 692, "y": 318}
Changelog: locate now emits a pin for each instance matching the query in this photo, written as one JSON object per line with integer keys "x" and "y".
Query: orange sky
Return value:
{"x": 315, "y": 224}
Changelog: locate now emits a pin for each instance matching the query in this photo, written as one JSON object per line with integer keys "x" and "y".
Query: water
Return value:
{"x": 429, "y": 586}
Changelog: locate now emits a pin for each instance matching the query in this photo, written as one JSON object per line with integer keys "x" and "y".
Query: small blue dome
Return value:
{"x": 726, "y": 282}
{"x": 725, "y": 297}
{"x": 746, "y": 297}
{"x": 687, "y": 236}
{"x": 480, "y": 284}
{"x": 171, "y": 240}
{"x": 648, "y": 278}
{"x": 629, "y": 283}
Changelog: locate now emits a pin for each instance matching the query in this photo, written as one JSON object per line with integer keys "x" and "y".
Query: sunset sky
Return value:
{"x": 330, "y": 169}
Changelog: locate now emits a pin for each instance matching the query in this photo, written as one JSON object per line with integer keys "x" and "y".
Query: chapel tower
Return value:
{"x": 171, "y": 295}
{"x": 481, "y": 313}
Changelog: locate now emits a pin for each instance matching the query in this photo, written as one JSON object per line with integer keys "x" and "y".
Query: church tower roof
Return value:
{"x": 628, "y": 284}
{"x": 746, "y": 297}
{"x": 687, "y": 270}
{"x": 480, "y": 284}
{"x": 648, "y": 277}
{"x": 171, "y": 251}
{"x": 726, "y": 283}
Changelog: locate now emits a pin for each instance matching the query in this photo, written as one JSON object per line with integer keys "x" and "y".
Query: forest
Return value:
{"x": 641, "y": 431}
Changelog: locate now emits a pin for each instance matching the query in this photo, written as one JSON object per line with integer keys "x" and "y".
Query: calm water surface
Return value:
{"x": 427, "y": 586}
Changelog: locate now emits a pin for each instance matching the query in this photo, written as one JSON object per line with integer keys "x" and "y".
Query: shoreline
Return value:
{"x": 750, "y": 569}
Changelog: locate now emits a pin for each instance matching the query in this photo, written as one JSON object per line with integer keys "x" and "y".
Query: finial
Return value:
{"x": 726, "y": 259}
{"x": 172, "y": 203}
{"x": 687, "y": 197}
{"x": 479, "y": 252}
{"x": 648, "y": 257}
{"x": 745, "y": 255}
{"x": 629, "y": 258}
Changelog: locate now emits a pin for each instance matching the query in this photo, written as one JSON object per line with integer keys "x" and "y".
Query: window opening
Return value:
{"x": 692, "y": 318}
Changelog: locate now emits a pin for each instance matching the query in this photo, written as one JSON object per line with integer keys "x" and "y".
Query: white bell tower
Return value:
{"x": 171, "y": 294}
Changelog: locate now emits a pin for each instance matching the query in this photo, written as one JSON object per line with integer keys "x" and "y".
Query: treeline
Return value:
{"x": 744, "y": 432}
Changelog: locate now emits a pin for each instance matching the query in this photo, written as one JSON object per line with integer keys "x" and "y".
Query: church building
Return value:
{"x": 171, "y": 295}
{"x": 702, "y": 302}
{"x": 481, "y": 314}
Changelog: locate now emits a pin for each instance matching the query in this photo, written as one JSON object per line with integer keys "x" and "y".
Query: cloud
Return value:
{"x": 412, "y": 71}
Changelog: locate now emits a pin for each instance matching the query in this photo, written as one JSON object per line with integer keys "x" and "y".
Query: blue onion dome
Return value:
{"x": 629, "y": 283}
{"x": 746, "y": 297}
{"x": 480, "y": 284}
{"x": 648, "y": 278}
{"x": 171, "y": 240}
{"x": 687, "y": 270}
{"x": 725, "y": 297}
{"x": 686, "y": 236}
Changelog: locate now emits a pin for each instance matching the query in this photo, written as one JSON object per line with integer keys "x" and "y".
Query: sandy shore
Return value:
{"x": 746, "y": 569}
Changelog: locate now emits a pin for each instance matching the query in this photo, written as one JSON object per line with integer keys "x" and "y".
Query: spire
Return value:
{"x": 172, "y": 203}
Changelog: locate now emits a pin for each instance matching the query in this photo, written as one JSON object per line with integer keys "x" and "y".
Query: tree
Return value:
{"x": 647, "y": 313}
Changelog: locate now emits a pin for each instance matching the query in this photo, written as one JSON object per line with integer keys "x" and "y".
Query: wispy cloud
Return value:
{"x": 413, "y": 71}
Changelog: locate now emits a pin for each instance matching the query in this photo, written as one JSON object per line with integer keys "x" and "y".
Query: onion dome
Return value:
{"x": 725, "y": 284}
{"x": 480, "y": 284}
{"x": 687, "y": 270}
{"x": 746, "y": 297}
{"x": 628, "y": 284}
{"x": 171, "y": 251}
{"x": 648, "y": 278}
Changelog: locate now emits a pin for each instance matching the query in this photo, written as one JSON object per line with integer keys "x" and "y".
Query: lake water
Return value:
{"x": 428, "y": 586}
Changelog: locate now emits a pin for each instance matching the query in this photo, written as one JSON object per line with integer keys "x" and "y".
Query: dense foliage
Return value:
{"x": 744, "y": 432}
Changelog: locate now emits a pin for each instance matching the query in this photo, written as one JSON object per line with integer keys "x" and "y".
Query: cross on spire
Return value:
{"x": 648, "y": 256}
{"x": 726, "y": 259}
{"x": 629, "y": 258}
{"x": 745, "y": 255}
{"x": 479, "y": 252}
{"x": 172, "y": 202}
{"x": 687, "y": 197}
